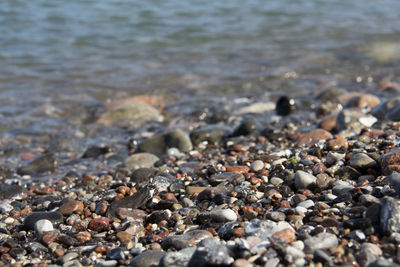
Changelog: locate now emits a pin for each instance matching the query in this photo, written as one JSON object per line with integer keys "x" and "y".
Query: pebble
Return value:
{"x": 9, "y": 191}
{"x": 257, "y": 165}
{"x": 241, "y": 263}
{"x": 391, "y": 161}
{"x": 148, "y": 258}
{"x": 390, "y": 215}
{"x": 53, "y": 216}
{"x": 41, "y": 164}
{"x": 306, "y": 204}
{"x": 223, "y": 215}
{"x": 313, "y": 137}
{"x": 285, "y": 106}
{"x": 99, "y": 224}
{"x": 69, "y": 257}
{"x": 304, "y": 179}
{"x": 362, "y": 161}
{"x": 70, "y": 207}
{"x": 210, "y": 133}
{"x": 321, "y": 241}
{"x": 210, "y": 252}
{"x": 42, "y": 226}
{"x": 247, "y": 127}
{"x": 178, "y": 258}
{"x": 189, "y": 239}
{"x": 232, "y": 177}
{"x": 141, "y": 160}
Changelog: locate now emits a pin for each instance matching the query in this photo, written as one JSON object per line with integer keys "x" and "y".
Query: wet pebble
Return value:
{"x": 159, "y": 144}
{"x": 45, "y": 163}
{"x": 178, "y": 258}
{"x": 210, "y": 252}
{"x": 99, "y": 224}
{"x": 148, "y": 258}
{"x": 31, "y": 219}
{"x": 223, "y": 215}
{"x": 71, "y": 207}
{"x": 189, "y": 239}
{"x": 141, "y": 160}
{"x": 304, "y": 179}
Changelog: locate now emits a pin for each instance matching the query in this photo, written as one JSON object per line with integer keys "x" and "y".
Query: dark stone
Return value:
{"x": 189, "y": 239}
{"x": 35, "y": 247}
{"x": 211, "y": 252}
{"x": 9, "y": 191}
{"x": 159, "y": 216}
{"x": 390, "y": 215}
{"x": 45, "y": 163}
{"x": 17, "y": 253}
{"x": 143, "y": 175}
{"x": 116, "y": 254}
{"x": 53, "y": 216}
{"x": 211, "y": 133}
{"x": 348, "y": 172}
{"x": 95, "y": 151}
{"x": 67, "y": 240}
{"x": 159, "y": 144}
{"x": 137, "y": 200}
{"x": 394, "y": 179}
{"x": 247, "y": 127}
{"x": 321, "y": 256}
{"x": 285, "y": 106}
{"x": 226, "y": 231}
{"x": 5, "y": 173}
{"x": 231, "y": 177}
{"x": 149, "y": 258}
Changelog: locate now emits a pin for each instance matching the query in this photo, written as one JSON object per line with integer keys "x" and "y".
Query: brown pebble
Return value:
{"x": 4, "y": 250}
{"x": 391, "y": 161}
{"x": 124, "y": 237}
{"x": 83, "y": 236}
{"x": 363, "y": 101}
{"x": 314, "y": 137}
{"x": 155, "y": 246}
{"x": 49, "y": 237}
{"x": 285, "y": 204}
{"x": 330, "y": 222}
{"x": 71, "y": 207}
{"x": 319, "y": 168}
{"x": 238, "y": 169}
{"x": 99, "y": 224}
{"x": 328, "y": 123}
{"x": 100, "y": 250}
{"x": 238, "y": 232}
{"x": 6, "y": 258}
{"x": 287, "y": 235}
{"x": 59, "y": 252}
{"x": 337, "y": 144}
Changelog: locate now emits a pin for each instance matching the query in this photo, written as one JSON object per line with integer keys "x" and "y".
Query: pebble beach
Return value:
{"x": 305, "y": 181}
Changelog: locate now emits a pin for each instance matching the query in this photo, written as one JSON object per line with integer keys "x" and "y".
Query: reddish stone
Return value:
{"x": 83, "y": 236}
{"x": 319, "y": 168}
{"x": 287, "y": 235}
{"x": 314, "y": 137}
{"x": 337, "y": 144}
{"x": 59, "y": 252}
{"x": 285, "y": 204}
{"x": 391, "y": 161}
{"x": 49, "y": 237}
{"x": 322, "y": 205}
{"x": 238, "y": 232}
{"x": 124, "y": 237}
{"x": 238, "y": 169}
{"x": 328, "y": 123}
{"x": 71, "y": 207}
{"x": 99, "y": 224}
{"x": 4, "y": 250}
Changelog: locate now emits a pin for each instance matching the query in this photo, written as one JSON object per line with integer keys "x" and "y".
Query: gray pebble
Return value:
{"x": 257, "y": 165}
{"x": 304, "y": 179}
{"x": 224, "y": 215}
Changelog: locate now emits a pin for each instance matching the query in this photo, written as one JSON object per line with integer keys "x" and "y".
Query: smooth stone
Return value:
{"x": 348, "y": 173}
{"x": 178, "y": 258}
{"x": 140, "y": 160}
{"x": 323, "y": 257}
{"x": 394, "y": 179}
{"x": 362, "y": 161}
{"x": 321, "y": 241}
{"x": 285, "y": 106}
{"x": 352, "y": 120}
{"x": 341, "y": 189}
{"x": 304, "y": 179}
{"x": 42, "y": 226}
{"x": 247, "y": 127}
{"x": 363, "y": 101}
{"x": 105, "y": 263}
{"x": 158, "y": 216}
{"x": 313, "y": 137}
{"x": 255, "y": 108}
{"x": 148, "y": 258}
{"x": 189, "y": 239}
{"x": 276, "y": 181}
{"x": 99, "y": 224}
{"x": 387, "y": 109}
{"x": 69, "y": 257}
{"x": 132, "y": 114}
{"x": 369, "y": 253}
{"x": 210, "y": 252}
{"x": 241, "y": 263}
{"x": 223, "y": 215}
{"x": 45, "y": 163}
{"x": 210, "y": 133}
{"x": 5, "y": 207}
{"x": 391, "y": 161}
{"x": 9, "y": 191}
{"x": 306, "y": 204}
{"x": 96, "y": 151}
{"x": 328, "y": 123}
{"x": 257, "y": 165}
{"x": 383, "y": 263}
{"x": 390, "y": 215}
{"x": 115, "y": 254}
{"x": 74, "y": 263}
{"x": 71, "y": 207}
{"x": 334, "y": 157}
{"x": 159, "y": 144}
{"x": 53, "y": 216}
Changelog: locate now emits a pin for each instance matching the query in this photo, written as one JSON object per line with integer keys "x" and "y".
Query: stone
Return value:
{"x": 148, "y": 258}
{"x": 210, "y": 252}
{"x": 41, "y": 164}
{"x": 257, "y": 165}
{"x": 178, "y": 258}
{"x": 306, "y": 204}
{"x": 394, "y": 179}
{"x": 140, "y": 160}
{"x": 241, "y": 263}
{"x": 313, "y": 137}
{"x": 189, "y": 239}
{"x": 255, "y": 108}
{"x": 159, "y": 144}
{"x": 348, "y": 173}
{"x": 351, "y": 121}
{"x": 328, "y": 123}
{"x": 338, "y": 144}
{"x": 142, "y": 175}
{"x": 341, "y": 188}
{"x": 383, "y": 263}
{"x": 230, "y": 177}
{"x": 223, "y": 215}
{"x": 210, "y": 133}
{"x": 321, "y": 241}
{"x": 9, "y": 191}
{"x": 387, "y": 109}
{"x": 323, "y": 257}
{"x": 124, "y": 237}
{"x": 69, "y": 257}
{"x": 285, "y": 105}
{"x": 53, "y": 216}
{"x": 363, "y": 101}
{"x": 70, "y": 207}
{"x": 362, "y": 161}
{"x": 133, "y": 114}
{"x": 391, "y": 161}
{"x": 42, "y": 226}
{"x": 390, "y": 215}
{"x": 95, "y": 151}
{"x": 247, "y": 127}
{"x": 115, "y": 254}
{"x": 304, "y": 179}
{"x": 99, "y": 224}
{"x": 287, "y": 235}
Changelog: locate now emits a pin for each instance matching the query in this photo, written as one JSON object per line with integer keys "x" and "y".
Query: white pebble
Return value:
{"x": 43, "y": 226}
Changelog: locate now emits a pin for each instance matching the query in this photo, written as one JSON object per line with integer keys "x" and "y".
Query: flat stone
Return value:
{"x": 363, "y": 101}
{"x": 41, "y": 164}
{"x": 9, "y": 191}
{"x": 148, "y": 258}
{"x": 257, "y": 165}
{"x": 142, "y": 175}
{"x": 328, "y": 123}
{"x": 141, "y": 160}
{"x": 159, "y": 144}
{"x": 313, "y": 137}
{"x": 304, "y": 179}
{"x": 306, "y": 204}
{"x": 210, "y": 133}
{"x": 247, "y": 127}
{"x": 124, "y": 237}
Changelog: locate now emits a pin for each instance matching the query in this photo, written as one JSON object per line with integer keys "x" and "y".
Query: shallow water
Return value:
{"x": 57, "y": 57}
